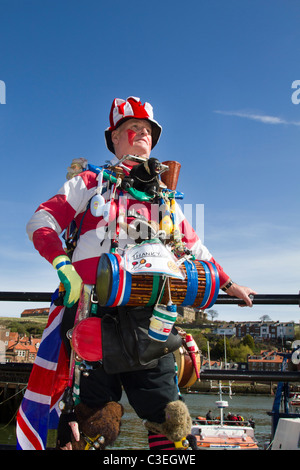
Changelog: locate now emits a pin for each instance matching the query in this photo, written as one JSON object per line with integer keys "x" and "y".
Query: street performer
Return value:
{"x": 110, "y": 216}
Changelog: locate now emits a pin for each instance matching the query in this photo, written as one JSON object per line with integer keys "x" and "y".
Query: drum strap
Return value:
{"x": 155, "y": 290}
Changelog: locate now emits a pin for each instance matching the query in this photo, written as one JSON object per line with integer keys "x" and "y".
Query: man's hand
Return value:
{"x": 241, "y": 292}
{"x": 70, "y": 279}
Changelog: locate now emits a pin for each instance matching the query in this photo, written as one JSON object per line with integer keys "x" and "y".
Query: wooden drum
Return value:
{"x": 186, "y": 372}
{"x": 117, "y": 287}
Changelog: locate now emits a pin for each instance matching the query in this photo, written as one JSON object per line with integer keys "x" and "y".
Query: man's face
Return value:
{"x": 133, "y": 137}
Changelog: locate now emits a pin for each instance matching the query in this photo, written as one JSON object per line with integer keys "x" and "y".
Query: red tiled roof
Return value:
{"x": 35, "y": 311}
{"x": 266, "y": 356}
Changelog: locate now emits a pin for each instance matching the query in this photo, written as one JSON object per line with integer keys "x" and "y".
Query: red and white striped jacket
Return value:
{"x": 70, "y": 203}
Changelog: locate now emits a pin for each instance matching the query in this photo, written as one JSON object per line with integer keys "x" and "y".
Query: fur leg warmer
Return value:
{"x": 101, "y": 426}
{"x": 177, "y": 424}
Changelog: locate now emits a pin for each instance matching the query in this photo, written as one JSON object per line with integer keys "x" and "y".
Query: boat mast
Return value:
{"x": 221, "y": 404}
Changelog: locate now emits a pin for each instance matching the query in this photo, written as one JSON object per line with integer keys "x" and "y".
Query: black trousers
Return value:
{"x": 148, "y": 390}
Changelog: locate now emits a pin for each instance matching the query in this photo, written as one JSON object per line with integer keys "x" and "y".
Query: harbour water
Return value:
{"x": 133, "y": 435}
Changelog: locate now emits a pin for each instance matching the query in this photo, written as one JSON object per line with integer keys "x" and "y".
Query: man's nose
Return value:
{"x": 143, "y": 130}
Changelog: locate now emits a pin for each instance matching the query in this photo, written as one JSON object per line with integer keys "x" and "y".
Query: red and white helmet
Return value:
{"x": 132, "y": 108}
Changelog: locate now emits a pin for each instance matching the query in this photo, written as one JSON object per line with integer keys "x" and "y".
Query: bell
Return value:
{"x": 98, "y": 201}
{"x": 166, "y": 225}
{"x": 97, "y": 205}
{"x": 109, "y": 211}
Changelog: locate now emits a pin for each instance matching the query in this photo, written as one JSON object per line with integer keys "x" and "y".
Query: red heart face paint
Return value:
{"x": 131, "y": 135}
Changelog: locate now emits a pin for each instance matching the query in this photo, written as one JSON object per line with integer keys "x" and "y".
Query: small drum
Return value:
{"x": 186, "y": 372}
{"x": 86, "y": 339}
{"x": 117, "y": 287}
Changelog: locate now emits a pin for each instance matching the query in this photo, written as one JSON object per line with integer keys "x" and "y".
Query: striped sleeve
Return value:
{"x": 54, "y": 215}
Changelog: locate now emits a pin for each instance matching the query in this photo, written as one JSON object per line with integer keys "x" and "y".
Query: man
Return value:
{"x": 152, "y": 391}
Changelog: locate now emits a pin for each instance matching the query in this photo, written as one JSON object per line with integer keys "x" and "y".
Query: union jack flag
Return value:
{"x": 39, "y": 410}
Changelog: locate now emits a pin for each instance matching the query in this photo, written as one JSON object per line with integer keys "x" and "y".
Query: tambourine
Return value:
{"x": 186, "y": 373}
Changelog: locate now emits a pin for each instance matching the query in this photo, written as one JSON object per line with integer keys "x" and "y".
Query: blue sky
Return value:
{"x": 219, "y": 75}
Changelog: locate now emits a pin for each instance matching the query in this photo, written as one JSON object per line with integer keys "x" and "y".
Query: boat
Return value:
{"x": 285, "y": 430}
{"x": 295, "y": 403}
{"x": 231, "y": 421}
{"x": 287, "y": 435}
{"x": 286, "y": 423}
{"x": 223, "y": 435}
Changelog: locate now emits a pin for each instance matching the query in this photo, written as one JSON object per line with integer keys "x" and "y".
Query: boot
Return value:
{"x": 99, "y": 428}
{"x": 172, "y": 433}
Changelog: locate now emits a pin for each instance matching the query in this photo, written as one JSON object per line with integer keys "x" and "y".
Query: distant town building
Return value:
{"x": 17, "y": 348}
{"x": 4, "y": 334}
{"x": 266, "y": 330}
{"x": 265, "y": 360}
{"x": 191, "y": 315}
{"x": 225, "y": 330}
{"x": 248, "y": 328}
{"x": 35, "y": 312}
{"x": 4, "y": 339}
{"x": 213, "y": 365}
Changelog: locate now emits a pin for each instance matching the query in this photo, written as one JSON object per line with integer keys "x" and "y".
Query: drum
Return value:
{"x": 117, "y": 287}
{"x": 186, "y": 373}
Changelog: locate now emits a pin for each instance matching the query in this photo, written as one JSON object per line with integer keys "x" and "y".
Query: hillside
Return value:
{"x": 29, "y": 325}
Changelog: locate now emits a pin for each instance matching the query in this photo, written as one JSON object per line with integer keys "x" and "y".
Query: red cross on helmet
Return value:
{"x": 122, "y": 110}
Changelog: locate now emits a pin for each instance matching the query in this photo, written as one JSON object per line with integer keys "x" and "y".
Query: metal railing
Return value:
{"x": 259, "y": 299}
{"x": 237, "y": 375}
